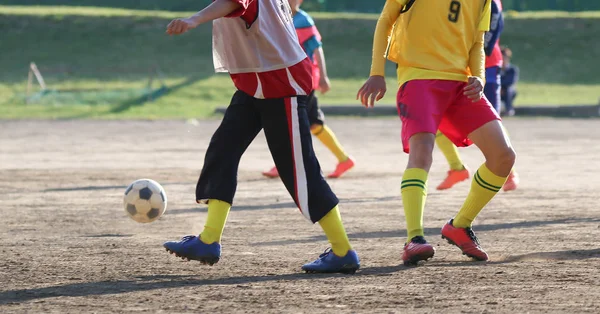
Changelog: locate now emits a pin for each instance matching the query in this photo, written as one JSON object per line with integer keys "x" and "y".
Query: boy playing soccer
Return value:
{"x": 438, "y": 46}
{"x": 493, "y": 61}
{"x": 310, "y": 40}
{"x": 256, "y": 43}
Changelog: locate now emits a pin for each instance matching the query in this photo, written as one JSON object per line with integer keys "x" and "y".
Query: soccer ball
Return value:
{"x": 145, "y": 200}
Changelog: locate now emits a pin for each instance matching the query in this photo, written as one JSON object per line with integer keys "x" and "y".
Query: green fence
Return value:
{"x": 312, "y": 5}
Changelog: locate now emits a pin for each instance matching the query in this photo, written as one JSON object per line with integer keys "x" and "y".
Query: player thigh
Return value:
{"x": 465, "y": 116}
{"x": 316, "y": 117}
{"x": 287, "y": 130}
{"x": 421, "y": 105}
{"x": 240, "y": 125}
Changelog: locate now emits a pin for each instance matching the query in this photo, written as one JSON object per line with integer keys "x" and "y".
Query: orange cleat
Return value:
{"x": 511, "y": 182}
{"x": 465, "y": 240}
{"x": 342, "y": 168}
{"x": 273, "y": 173}
{"x": 454, "y": 177}
{"x": 417, "y": 250}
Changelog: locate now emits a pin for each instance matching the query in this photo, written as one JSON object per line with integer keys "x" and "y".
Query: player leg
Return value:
{"x": 480, "y": 123}
{"x": 491, "y": 90}
{"x": 508, "y": 98}
{"x": 287, "y": 130}
{"x": 421, "y": 104}
{"x": 327, "y": 137}
{"x": 492, "y": 93}
{"x": 458, "y": 171}
{"x": 218, "y": 179}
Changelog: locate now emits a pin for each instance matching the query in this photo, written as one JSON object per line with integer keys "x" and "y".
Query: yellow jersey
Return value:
{"x": 432, "y": 39}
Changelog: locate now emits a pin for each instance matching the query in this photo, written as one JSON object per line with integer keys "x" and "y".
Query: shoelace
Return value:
{"x": 418, "y": 240}
{"x": 187, "y": 238}
{"x": 472, "y": 235}
{"x": 324, "y": 254}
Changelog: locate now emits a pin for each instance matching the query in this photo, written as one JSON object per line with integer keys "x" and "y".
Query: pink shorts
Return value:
{"x": 426, "y": 106}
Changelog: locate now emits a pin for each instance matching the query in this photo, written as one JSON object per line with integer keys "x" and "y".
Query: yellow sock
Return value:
{"x": 336, "y": 234}
{"x": 414, "y": 193}
{"x": 483, "y": 188}
{"x": 450, "y": 151}
{"x": 215, "y": 221}
{"x": 326, "y": 136}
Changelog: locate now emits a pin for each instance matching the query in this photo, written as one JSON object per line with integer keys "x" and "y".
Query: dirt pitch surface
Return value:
{"x": 68, "y": 247}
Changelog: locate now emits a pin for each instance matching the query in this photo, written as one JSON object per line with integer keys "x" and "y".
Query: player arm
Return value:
{"x": 383, "y": 31}
{"x": 320, "y": 57}
{"x": 219, "y": 9}
{"x": 477, "y": 58}
{"x": 496, "y": 27}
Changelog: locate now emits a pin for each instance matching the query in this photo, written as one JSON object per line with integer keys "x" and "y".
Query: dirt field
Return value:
{"x": 68, "y": 247}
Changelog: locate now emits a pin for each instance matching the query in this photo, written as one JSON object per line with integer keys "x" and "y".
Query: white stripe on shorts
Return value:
{"x": 294, "y": 84}
{"x": 301, "y": 182}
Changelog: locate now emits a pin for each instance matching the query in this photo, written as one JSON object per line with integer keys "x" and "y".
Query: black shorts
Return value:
{"x": 287, "y": 129}
{"x": 315, "y": 114}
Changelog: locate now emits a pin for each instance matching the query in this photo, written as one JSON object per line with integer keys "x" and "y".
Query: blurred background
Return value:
{"x": 112, "y": 59}
{"x": 371, "y": 6}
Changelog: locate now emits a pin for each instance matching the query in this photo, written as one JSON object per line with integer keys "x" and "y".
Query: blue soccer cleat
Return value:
{"x": 192, "y": 248}
{"x": 331, "y": 263}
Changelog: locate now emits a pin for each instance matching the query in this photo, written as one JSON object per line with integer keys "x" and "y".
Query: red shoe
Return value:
{"x": 511, "y": 182}
{"x": 417, "y": 250}
{"x": 465, "y": 239}
{"x": 342, "y": 168}
{"x": 454, "y": 177}
{"x": 273, "y": 173}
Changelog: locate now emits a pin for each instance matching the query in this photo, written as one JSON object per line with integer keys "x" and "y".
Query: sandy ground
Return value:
{"x": 68, "y": 247}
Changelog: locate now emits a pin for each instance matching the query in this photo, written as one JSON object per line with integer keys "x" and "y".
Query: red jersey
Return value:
{"x": 261, "y": 51}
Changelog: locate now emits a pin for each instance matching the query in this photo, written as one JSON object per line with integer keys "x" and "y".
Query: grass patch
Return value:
{"x": 112, "y": 50}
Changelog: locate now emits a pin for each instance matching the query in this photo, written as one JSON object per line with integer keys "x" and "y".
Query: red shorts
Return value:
{"x": 426, "y": 106}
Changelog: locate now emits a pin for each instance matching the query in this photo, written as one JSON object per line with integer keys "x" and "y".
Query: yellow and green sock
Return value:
{"x": 336, "y": 233}
{"x": 328, "y": 138}
{"x": 450, "y": 151}
{"x": 215, "y": 221}
{"x": 484, "y": 187}
{"x": 414, "y": 194}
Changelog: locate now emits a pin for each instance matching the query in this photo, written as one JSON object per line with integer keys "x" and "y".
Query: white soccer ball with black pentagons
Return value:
{"x": 145, "y": 200}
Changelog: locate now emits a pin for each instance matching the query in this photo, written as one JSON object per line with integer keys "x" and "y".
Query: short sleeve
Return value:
{"x": 486, "y": 17}
{"x": 310, "y": 45}
{"x": 244, "y": 6}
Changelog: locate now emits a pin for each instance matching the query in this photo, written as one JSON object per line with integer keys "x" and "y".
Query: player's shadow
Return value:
{"x": 148, "y": 283}
{"x": 433, "y": 231}
{"x": 161, "y": 92}
{"x": 555, "y": 256}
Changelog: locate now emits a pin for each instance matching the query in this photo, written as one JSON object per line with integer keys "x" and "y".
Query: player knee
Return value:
{"x": 421, "y": 150}
{"x": 503, "y": 162}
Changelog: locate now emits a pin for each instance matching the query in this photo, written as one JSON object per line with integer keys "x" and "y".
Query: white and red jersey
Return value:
{"x": 258, "y": 46}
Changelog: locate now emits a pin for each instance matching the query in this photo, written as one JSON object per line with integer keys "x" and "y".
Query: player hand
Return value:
{"x": 373, "y": 90}
{"x": 180, "y": 26}
{"x": 474, "y": 89}
{"x": 324, "y": 84}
